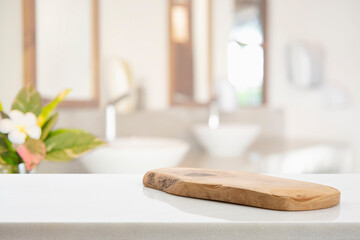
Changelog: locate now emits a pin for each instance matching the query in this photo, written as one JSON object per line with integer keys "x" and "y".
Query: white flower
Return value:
{"x": 19, "y": 126}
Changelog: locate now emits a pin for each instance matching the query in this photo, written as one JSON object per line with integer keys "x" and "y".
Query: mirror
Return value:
{"x": 190, "y": 51}
{"x": 203, "y": 49}
{"x": 245, "y": 51}
{"x": 229, "y": 35}
{"x": 61, "y": 49}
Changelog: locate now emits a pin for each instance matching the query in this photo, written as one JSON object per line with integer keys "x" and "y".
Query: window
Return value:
{"x": 246, "y": 52}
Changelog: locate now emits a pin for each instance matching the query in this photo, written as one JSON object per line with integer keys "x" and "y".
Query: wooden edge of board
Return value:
{"x": 169, "y": 183}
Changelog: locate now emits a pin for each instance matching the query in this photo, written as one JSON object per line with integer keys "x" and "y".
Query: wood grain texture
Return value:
{"x": 243, "y": 188}
{"x": 29, "y": 42}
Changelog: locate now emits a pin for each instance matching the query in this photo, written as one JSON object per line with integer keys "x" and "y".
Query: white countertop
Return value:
{"x": 91, "y": 206}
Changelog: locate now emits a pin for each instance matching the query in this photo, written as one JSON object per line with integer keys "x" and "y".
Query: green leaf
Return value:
{"x": 49, "y": 108}
{"x": 3, "y": 115}
{"x": 9, "y": 145}
{"x": 60, "y": 131}
{"x": 49, "y": 124}
{"x": 32, "y": 152}
{"x": 3, "y": 145}
{"x": 28, "y": 100}
{"x": 11, "y": 158}
{"x": 68, "y": 144}
{"x": 6, "y": 168}
{"x": 36, "y": 147}
{"x": 8, "y": 160}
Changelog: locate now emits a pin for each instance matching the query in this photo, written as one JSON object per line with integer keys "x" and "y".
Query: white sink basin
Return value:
{"x": 135, "y": 155}
{"x": 228, "y": 140}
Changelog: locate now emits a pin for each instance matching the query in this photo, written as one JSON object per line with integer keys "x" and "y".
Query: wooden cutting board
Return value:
{"x": 243, "y": 188}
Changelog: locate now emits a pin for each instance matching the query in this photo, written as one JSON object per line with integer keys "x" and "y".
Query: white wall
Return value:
{"x": 10, "y": 50}
{"x": 137, "y": 31}
{"x": 222, "y": 21}
{"x": 64, "y": 48}
{"x": 334, "y": 24}
{"x": 200, "y": 47}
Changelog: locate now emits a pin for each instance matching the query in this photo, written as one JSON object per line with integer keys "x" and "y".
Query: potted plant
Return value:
{"x": 27, "y": 136}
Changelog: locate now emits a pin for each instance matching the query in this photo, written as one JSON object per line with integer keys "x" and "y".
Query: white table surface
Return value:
{"x": 91, "y": 206}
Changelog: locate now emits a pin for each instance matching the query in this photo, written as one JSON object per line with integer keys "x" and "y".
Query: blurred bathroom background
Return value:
{"x": 270, "y": 86}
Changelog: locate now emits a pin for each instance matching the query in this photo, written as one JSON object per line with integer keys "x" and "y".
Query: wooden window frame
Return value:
{"x": 172, "y": 56}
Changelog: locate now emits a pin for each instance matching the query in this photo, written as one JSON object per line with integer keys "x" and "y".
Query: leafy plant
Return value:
{"x": 26, "y": 134}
